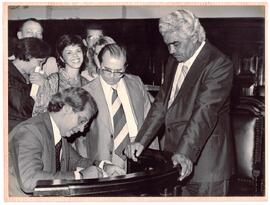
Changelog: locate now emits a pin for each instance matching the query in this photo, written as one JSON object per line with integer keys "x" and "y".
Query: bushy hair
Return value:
{"x": 182, "y": 21}
{"x": 75, "y": 97}
{"x": 68, "y": 40}
{"x": 28, "y": 48}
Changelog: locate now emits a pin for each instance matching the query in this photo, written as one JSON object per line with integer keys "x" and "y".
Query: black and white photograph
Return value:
{"x": 134, "y": 100}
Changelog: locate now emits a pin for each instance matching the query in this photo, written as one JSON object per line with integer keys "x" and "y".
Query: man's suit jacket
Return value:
{"x": 197, "y": 123}
{"x": 32, "y": 155}
{"x": 99, "y": 139}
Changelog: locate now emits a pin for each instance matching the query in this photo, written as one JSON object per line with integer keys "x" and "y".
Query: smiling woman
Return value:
{"x": 70, "y": 56}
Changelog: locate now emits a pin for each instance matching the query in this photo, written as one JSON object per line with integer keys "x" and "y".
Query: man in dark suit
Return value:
{"x": 32, "y": 144}
{"x": 193, "y": 103}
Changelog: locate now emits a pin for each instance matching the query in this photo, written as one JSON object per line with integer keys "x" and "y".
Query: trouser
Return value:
{"x": 219, "y": 188}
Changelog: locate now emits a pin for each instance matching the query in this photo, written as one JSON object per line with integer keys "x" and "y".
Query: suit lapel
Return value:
{"x": 170, "y": 77}
{"x": 194, "y": 72}
{"x": 48, "y": 131}
{"x": 99, "y": 96}
{"x": 130, "y": 85}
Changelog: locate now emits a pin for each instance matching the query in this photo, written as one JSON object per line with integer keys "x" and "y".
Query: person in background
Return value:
{"x": 70, "y": 56}
{"x": 93, "y": 32}
{"x": 91, "y": 67}
{"x": 38, "y": 147}
{"x": 123, "y": 103}
{"x": 194, "y": 105}
{"x": 32, "y": 28}
{"x": 28, "y": 54}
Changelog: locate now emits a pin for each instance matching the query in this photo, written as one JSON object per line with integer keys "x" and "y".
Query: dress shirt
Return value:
{"x": 56, "y": 132}
{"x": 127, "y": 106}
{"x": 57, "y": 137}
{"x": 187, "y": 64}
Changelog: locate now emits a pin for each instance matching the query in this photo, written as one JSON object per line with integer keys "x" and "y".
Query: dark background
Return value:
{"x": 239, "y": 38}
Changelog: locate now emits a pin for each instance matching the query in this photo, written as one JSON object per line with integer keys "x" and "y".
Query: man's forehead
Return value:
{"x": 86, "y": 111}
{"x": 94, "y": 32}
{"x": 171, "y": 37}
{"x": 31, "y": 24}
{"x": 108, "y": 57}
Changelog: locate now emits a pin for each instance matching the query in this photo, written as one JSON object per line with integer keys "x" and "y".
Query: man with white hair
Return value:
{"x": 193, "y": 103}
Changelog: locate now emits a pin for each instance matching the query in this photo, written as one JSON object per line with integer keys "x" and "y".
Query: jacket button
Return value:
{"x": 110, "y": 152}
{"x": 112, "y": 136}
{"x": 169, "y": 129}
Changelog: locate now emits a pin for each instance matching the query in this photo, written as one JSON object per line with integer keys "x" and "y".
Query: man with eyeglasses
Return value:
{"x": 38, "y": 147}
{"x": 123, "y": 103}
{"x": 194, "y": 105}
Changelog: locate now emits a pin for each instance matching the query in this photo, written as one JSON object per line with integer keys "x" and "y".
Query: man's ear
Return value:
{"x": 194, "y": 39}
{"x": 19, "y": 35}
{"x": 85, "y": 43}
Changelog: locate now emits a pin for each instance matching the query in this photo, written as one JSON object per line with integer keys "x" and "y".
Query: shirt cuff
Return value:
{"x": 77, "y": 175}
{"x": 101, "y": 164}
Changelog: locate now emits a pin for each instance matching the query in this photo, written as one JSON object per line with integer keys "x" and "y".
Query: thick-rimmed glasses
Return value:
{"x": 114, "y": 72}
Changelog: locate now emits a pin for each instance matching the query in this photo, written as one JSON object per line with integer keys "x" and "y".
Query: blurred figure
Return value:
{"x": 38, "y": 148}
{"x": 123, "y": 103}
{"x": 70, "y": 56}
{"x": 91, "y": 67}
{"x": 92, "y": 33}
{"x": 194, "y": 105}
{"x": 28, "y": 53}
{"x": 32, "y": 28}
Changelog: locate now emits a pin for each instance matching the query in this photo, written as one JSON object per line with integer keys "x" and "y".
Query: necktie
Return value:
{"x": 178, "y": 83}
{"x": 121, "y": 134}
{"x": 58, "y": 147}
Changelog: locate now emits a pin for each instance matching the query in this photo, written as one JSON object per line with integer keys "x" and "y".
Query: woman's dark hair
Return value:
{"x": 67, "y": 40}
{"x": 28, "y": 48}
{"x": 75, "y": 97}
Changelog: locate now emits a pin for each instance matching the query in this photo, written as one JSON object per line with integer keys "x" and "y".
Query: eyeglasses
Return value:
{"x": 116, "y": 72}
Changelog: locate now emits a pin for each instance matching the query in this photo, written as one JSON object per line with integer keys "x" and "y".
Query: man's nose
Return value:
{"x": 171, "y": 49}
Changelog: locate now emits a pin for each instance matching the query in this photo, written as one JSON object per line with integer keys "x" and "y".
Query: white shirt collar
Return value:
{"x": 190, "y": 61}
{"x": 127, "y": 105}
{"x": 108, "y": 87}
{"x": 56, "y": 132}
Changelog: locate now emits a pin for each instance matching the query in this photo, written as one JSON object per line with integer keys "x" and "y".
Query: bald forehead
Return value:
{"x": 32, "y": 25}
{"x": 107, "y": 55}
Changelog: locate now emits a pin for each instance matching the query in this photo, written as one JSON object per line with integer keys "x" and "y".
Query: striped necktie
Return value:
{"x": 58, "y": 147}
{"x": 121, "y": 133}
{"x": 178, "y": 83}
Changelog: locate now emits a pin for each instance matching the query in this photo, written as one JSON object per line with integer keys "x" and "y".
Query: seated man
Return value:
{"x": 34, "y": 151}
